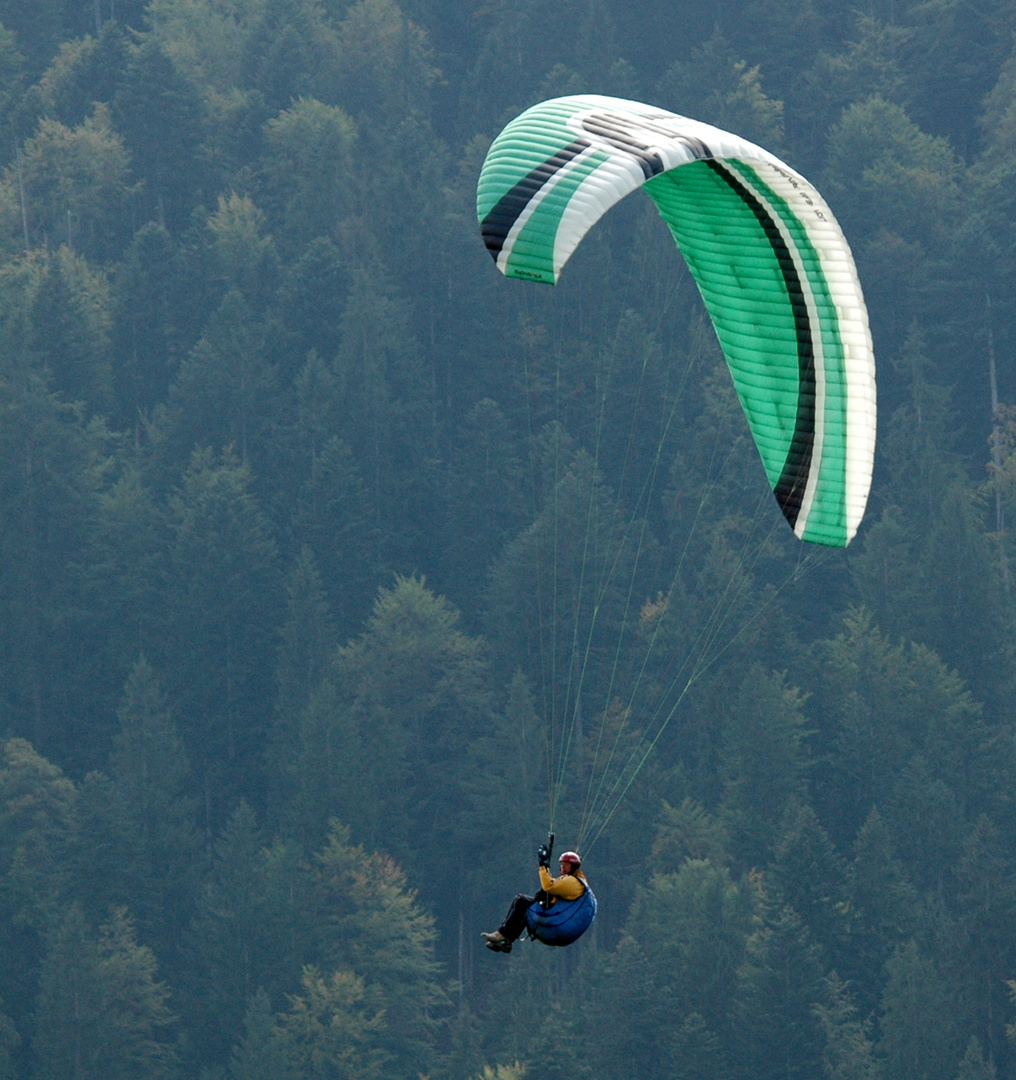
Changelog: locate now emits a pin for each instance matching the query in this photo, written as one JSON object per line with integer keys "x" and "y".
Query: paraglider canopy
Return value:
{"x": 772, "y": 265}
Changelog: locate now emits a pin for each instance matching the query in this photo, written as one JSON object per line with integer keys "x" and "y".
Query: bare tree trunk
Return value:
{"x": 996, "y": 448}
{"x": 21, "y": 192}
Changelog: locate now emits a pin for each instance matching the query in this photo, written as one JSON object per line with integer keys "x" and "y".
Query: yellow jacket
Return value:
{"x": 565, "y": 887}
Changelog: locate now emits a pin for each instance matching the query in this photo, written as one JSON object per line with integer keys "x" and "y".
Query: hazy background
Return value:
{"x": 305, "y": 512}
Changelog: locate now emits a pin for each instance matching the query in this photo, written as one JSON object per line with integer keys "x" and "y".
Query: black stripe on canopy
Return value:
{"x": 789, "y": 489}
{"x": 498, "y": 223}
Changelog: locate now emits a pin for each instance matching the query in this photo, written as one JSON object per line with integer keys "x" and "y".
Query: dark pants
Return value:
{"x": 515, "y": 921}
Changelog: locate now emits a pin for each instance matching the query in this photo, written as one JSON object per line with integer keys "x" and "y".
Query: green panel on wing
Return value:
{"x": 773, "y": 267}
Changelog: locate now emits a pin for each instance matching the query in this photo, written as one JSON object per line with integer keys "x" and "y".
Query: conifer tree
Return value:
{"x": 764, "y": 760}
{"x": 76, "y": 186}
{"x": 371, "y": 922}
{"x": 884, "y": 907}
{"x": 811, "y": 876}
{"x": 307, "y": 642}
{"x": 144, "y": 336}
{"x": 312, "y": 293}
{"x": 694, "y": 1052}
{"x": 227, "y": 945}
{"x": 974, "y": 1065}
{"x": 85, "y": 70}
{"x": 773, "y": 1018}
{"x": 12, "y": 66}
{"x": 153, "y": 783}
{"x": 332, "y": 514}
{"x": 485, "y": 483}
{"x": 506, "y": 788}
{"x": 849, "y": 1051}
{"x": 71, "y": 322}
{"x": 10, "y": 1041}
{"x": 69, "y": 1004}
{"x": 126, "y": 557}
{"x": 261, "y": 1054}
{"x": 692, "y": 926}
{"x": 411, "y": 692}
{"x": 50, "y": 468}
{"x": 985, "y": 903}
{"x": 289, "y": 51}
{"x": 223, "y": 595}
{"x": 307, "y": 171}
{"x": 332, "y": 1028}
{"x": 717, "y": 86}
{"x": 160, "y": 113}
{"x": 393, "y": 77}
{"x": 38, "y": 824}
{"x": 383, "y": 396}
{"x": 921, "y": 1026}
{"x": 222, "y": 391}
{"x": 101, "y": 1013}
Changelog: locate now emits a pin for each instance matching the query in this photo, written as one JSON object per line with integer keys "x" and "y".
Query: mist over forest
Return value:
{"x": 334, "y": 566}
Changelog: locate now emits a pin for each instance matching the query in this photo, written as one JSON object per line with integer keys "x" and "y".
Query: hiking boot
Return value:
{"x": 497, "y": 942}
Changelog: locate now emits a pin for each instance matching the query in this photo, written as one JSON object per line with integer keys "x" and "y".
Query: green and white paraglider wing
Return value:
{"x": 769, "y": 258}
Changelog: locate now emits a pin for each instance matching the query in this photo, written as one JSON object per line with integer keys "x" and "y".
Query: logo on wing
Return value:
{"x": 657, "y": 141}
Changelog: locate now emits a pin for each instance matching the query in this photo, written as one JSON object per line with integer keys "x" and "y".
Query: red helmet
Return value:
{"x": 571, "y": 858}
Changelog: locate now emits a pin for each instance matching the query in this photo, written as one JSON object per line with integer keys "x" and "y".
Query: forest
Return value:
{"x": 334, "y": 566}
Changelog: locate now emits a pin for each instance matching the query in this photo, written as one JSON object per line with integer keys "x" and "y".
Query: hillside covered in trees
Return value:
{"x": 320, "y": 542}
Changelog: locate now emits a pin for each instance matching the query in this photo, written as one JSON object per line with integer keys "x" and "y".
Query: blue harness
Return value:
{"x": 563, "y": 922}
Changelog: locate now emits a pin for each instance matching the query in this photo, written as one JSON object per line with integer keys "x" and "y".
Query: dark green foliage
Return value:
{"x": 222, "y": 542}
{"x": 899, "y": 191}
{"x": 278, "y": 445}
{"x": 763, "y": 761}
{"x": 102, "y": 1012}
{"x": 86, "y": 70}
{"x": 921, "y": 1032}
{"x": 290, "y": 52}
{"x": 975, "y": 1066}
{"x": 692, "y": 925}
{"x": 848, "y": 1046}
{"x": 307, "y": 175}
{"x": 231, "y": 953}
{"x": 370, "y": 921}
{"x": 386, "y": 69}
{"x": 10, "y": 1040}
{"x": 38, "y": 30}
{"x": 893, "y": 710}
{"x": 717, "y": 86}
{"x": 50, "y": 476}
{"x": 143, "y": 329}
{"x": 883, "y": 907}
{"x": 779, "y": 986}
{"x": 160, "y": 115}
{"x": 37, "y": 811}
{"x": 984, "y": 908}
{"x": 331, "y": 1029}
{"x": 70, "y": 319}
{"x": 810, "y": 875}
{"x": 12, "y": 66}
{"x": 333, "y": 514}
{"x": 260, "y": 1055}
{"x": 218, "y": 396}
{"x": 954, "y": 54}
{"x": 487, "y": 497}
{"x": 312, "y": 296}
{"x": 397, "y": 715}
{"x": 505, "y": 791}
{"x": 152, "y": 781}
{"x": 307, "y": 642}
{"x": 696, "y": 1053}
